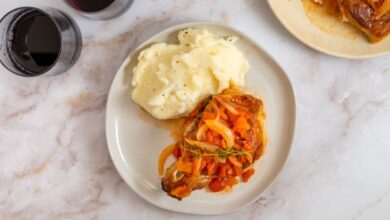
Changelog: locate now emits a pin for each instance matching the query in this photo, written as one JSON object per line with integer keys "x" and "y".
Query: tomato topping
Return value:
{"x": 222, "y": 171}
{"x": 176, "y": 152}
{"x": 217, "y": 184}
{"x": 241, "y": 160}
{"x": 211, "y": 168}
{"x": 247, "y": 175}
{"x": 237, "y": 171}
{"x": 204, "y": 163}
{"x": 231, "y": 181}
{"x": 241, "y": 124}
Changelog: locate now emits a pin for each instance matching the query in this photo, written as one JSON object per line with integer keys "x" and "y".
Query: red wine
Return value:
{"x": 36, "y": 43}
{"x": 90, "y": 5}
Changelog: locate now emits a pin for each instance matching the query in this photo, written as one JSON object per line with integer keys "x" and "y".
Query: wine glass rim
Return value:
{"x": 67, "y": 2}
{"x": 21, "y": 71}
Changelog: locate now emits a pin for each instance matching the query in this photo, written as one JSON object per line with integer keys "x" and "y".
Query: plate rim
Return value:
{"x": 290, "y": 144}
{"x": 295, "y": 33}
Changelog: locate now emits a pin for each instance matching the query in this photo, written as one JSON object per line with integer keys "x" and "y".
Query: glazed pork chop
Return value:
{"x": 221, "y": 140}
{"x": 372, "y": 17}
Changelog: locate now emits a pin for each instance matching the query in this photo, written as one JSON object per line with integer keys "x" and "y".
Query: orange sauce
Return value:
{"x": 174, "y": 126}
{"x": 328, "y": 23}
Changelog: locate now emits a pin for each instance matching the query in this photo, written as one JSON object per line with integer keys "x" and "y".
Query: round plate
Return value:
{"x": 135, "y": 140}
{"x": 325, "y": 33}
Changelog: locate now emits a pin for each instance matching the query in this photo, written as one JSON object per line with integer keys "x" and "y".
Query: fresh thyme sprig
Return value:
{"x": 194, "y": 153}
{"x": 222, "y": 153}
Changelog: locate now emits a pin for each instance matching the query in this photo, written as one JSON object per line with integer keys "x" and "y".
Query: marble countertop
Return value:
{"x": 54, "y": 162}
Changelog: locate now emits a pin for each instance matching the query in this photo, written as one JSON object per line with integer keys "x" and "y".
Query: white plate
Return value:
{"x": 135, "y": 140}
{"x": 326, "y": 33}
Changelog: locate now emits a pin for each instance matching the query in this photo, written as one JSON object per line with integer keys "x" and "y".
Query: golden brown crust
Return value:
{"x": 372, "y": 17}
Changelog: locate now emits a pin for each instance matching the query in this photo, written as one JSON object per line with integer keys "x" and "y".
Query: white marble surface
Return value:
{"x": 54, "y": 162}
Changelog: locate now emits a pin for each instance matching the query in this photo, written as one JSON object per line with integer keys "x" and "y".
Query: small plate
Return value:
{"x": 135, "y": 139}
{"x": 325, "y": 33}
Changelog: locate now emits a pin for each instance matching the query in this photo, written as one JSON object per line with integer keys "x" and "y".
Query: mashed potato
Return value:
{"x": 171, "y": 79}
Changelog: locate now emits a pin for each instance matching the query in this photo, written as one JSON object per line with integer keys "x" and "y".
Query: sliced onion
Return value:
{"x": 228, "y": 106}
{"x": 163, "y": 158}
{"x": 177, "y": 176}
{"x": 201, "y": 131}
{"x": 248, "y": 168}
{"x": 223, "y": 130}
{"x": 216, "y": 109}
{"x": 233, "y": 160}
{"x": 248, "y": 156}
{"x": 189, "y": 127}
{"x": 203, "y": 145}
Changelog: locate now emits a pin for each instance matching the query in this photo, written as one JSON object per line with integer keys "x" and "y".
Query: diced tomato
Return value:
{"x": 231, "y": 181}
{"x": 213, "y": 137}
{"x": 209, "y": 136}
{"x": 232, "y": 116}
{"x": 222, "y": 171}
{"x": 211, "y": 168}
{"x": 241, "y": 160}
{"x": 241, "y": 124}
{"x": 217, "y": 184}
{"x": 237, "y": 171}
{"x": 217, "y": 140}
{"x": 229, "y": 170}
{"x": 247, "y": 175}
{"x": 176, "y": 152}
{"x": 203, "y": 164}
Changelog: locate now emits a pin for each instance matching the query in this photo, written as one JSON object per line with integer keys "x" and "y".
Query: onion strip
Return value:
{"x": 165, "y": 153}
{"x": 203, "y": 145}
{"x": 189, "y": 127}
{"x": 228, "y": 106}
{"x": 248, "y": 168}
{"x": 233, "y": 160}
{"x": 216, "y": 109}
{"x": 248, "y": 156}
{"x": 201, "y": 131}
{"x": 223, "y": 130}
